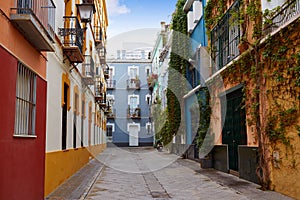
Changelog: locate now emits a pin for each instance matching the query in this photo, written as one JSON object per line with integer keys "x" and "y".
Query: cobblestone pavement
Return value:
{"x": 143, "y": 173}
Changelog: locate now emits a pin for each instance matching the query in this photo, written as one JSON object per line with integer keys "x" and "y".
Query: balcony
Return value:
{"x": 134, "y": 113}
{"x": 72, "y": 39}
{"x": 133, "y": 84}
{"x": 225, "y": 38}
{"x": 111, "y": 114}
{"x": 98, "y": 36}
{"x": 36, "y": 21}
{"x": 107, "y": 108}
{"x": 102, "y": 55}
{"x": 88, "y": 70}
{"x": 106, "y": 72}
{"x": 101, "y": 100}
{"x": 111, "y": 84}
{"x": 289, "y": 12}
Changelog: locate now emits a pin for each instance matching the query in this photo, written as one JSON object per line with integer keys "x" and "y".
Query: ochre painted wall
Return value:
{"x": 60, "y": 165}
{"x": 22, "y": 159}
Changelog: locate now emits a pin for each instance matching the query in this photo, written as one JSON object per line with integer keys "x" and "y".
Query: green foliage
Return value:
{"x": 277, "y": 124}
{"x": 178, "y": 63}
{"x": 205, "y": 114}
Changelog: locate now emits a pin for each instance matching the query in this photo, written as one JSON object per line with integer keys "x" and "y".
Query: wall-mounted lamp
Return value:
{"x": 86, "y": 10}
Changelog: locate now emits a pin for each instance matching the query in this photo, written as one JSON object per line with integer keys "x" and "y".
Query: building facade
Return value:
{"x": 26, "y": 36}
{"x": 196, "y": 72}
{"x": 129, "y": 97}
{"x": 158, "y": 79}
{"x": 255, "y": 110}
{"x": 76, "y": 73}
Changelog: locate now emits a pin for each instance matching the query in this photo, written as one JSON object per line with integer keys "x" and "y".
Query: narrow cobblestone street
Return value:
{"x": 148, "y": 174}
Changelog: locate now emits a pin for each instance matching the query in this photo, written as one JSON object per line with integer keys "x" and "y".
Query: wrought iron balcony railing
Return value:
{"x": 134, "y": 113}
{"x": 111, "y": 114}
{"x": 36, "y": 20}
{"x": 106, "y": 72}
{"x": 100, "y": 99}
{"x": 98, "y": 35}
{"x": 288, "y": 12}
{"x": 72, "y": 39}
{"x": 111, "y": 84}
{"x": 88, "y": 69}
{"x": 133, "y": 84}
{"x": 225, "y": 37}
{"x": 102, "y": 55}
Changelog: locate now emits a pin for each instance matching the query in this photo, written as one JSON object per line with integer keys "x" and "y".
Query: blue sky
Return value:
{"x": 126, "y": 15}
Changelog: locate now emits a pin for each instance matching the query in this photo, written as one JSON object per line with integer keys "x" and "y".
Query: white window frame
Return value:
{"x": 113, "y": 70}
{"x": 147, "y": 68}
{"x": 111, "y": 124}
{"x": 133, "y": 67}
{"x": 134, "y": 124}
{"x": 133, "y": 96}
{"x": 112, "y": 131}
{"x": 147, "y": 129}
{"x": 146, "y": 98}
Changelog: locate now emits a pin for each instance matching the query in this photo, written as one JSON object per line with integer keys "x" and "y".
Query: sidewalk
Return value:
{"x": 241, "y": 186}
{"x": 78, "y": 185}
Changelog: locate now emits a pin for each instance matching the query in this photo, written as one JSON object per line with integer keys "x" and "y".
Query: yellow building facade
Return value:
{"x": 76, "y": 119}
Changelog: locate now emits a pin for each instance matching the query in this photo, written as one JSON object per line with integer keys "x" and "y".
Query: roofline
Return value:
{"x": 188, "y": 5}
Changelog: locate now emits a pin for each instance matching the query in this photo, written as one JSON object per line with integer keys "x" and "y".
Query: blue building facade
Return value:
{"x": 197, "y": 71}
{"x": 128, "y": 124}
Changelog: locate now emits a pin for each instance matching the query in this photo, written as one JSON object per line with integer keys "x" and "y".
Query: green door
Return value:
{"x": 234, "y": 130}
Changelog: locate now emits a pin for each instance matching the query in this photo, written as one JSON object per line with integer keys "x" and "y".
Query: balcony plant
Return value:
{"x": 151, "y": 80}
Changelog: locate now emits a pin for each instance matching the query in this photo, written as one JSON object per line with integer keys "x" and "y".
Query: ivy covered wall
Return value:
{"x": 269, "y": 71}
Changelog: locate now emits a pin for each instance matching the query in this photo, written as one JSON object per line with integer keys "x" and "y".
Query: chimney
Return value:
{"x": 163, "y": 26}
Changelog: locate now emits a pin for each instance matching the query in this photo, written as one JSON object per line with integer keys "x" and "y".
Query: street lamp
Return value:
{"x": 86, "y": 11}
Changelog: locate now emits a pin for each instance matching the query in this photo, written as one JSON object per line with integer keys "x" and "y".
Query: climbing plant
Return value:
{"x": 269, "y": 67}
{"x": 177, "y": 63}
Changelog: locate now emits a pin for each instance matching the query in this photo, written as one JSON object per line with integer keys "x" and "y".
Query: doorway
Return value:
{"x": 64, "y": 117}
{"x": 234, "y": 130}
{"x": 133, "y": 135}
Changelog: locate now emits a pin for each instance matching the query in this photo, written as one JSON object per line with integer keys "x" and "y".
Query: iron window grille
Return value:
{"x": 225, "y": 37}
{"x": 25, "y": 101}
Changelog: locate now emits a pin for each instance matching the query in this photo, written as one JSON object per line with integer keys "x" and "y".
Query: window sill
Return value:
{"x": 24, "y": 136}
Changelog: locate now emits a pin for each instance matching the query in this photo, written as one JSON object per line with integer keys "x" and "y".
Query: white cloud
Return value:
{"x": 114, "y": 8}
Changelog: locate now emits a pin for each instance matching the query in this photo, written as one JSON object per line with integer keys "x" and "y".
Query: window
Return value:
{"x": 147, "y": 70}
{"x": 133, "y": 105}
{"x": 110, "y": 128}
{"x": 109, "y": 131}
{"x": 148, "y": 128}
{"x": 111, "y": 100}
{"x": 25, "y": 101}
{"x": 225, "y": 38}
{"x": 133, "y": 101}
{"x": 111, "y": 71}
{"x": 148, "y": 99}
{"x": 133, "y": 72}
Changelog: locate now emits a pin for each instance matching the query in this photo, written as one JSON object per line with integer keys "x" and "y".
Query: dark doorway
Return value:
{"x": 74, "y": 130}
{"x": 82, "y": 122}
{"x": 234, "y": 130}
{"x": 64, "y": 117}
